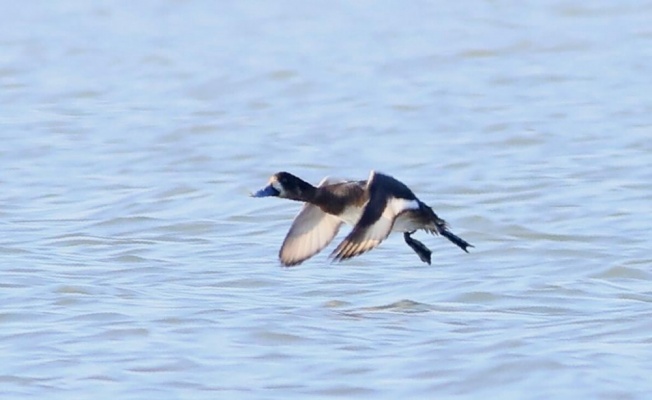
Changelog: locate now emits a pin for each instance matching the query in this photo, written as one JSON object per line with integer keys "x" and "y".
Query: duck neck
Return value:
{"x": 305, "y": 192}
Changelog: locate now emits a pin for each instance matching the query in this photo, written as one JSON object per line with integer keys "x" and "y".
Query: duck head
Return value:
{"x": 285, "y": 185}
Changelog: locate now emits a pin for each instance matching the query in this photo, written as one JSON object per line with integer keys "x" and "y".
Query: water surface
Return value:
{"x": 135, "y": 266}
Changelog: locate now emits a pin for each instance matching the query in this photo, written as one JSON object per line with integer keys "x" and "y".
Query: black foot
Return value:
{"x": 422, "y": 251}
{"x": 461, "y": 243}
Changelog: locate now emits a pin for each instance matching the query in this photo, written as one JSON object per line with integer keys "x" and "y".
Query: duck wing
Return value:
{"x": 378, "y": 215}
{"x": 311, "y": 231}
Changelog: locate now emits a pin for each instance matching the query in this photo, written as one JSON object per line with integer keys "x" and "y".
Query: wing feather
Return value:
{"x": 376, "y": 221}
{"x": 311, "y": 231}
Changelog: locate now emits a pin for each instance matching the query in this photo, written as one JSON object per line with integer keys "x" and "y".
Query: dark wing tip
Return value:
{"x": 288, "y": 264}
{"x": 347, "y": 249}
{"x": 341, "y": 251}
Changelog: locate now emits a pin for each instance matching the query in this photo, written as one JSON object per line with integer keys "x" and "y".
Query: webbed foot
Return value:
{"x": 422, "y": 251}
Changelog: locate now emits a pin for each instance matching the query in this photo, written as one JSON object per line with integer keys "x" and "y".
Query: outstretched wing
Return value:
{"x": 377, "y": 218}
{"x": 310, "y": 232}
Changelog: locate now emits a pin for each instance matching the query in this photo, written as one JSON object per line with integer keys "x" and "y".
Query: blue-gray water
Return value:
{"x": 134, "y": 265}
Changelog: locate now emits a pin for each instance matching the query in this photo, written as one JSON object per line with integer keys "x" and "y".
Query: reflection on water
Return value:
{"x": 135, "y": 265}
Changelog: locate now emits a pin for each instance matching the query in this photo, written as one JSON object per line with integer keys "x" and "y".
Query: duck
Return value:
{"x": 374, "y": 207}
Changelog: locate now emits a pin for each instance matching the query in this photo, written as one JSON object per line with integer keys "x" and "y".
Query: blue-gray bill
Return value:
{"x": 268, "y": 191}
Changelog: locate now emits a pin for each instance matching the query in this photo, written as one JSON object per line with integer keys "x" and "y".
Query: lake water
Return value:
{"x": 135, "y": 266}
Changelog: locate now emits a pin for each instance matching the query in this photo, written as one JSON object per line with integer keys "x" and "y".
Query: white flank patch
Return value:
{"x": 351, "y": 215}
{"x": 403, "y": 224}
{"x": 399, "y": 205}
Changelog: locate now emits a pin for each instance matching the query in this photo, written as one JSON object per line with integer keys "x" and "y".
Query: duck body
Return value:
{"x": 375, "y": 207}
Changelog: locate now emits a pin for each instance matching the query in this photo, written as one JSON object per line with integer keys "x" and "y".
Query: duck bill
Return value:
{"x": 268, "y": 191}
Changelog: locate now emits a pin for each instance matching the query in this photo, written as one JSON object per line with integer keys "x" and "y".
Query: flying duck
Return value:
{"x": 375, "y": 207}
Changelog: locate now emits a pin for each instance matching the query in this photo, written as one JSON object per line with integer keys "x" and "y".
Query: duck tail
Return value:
{"x": 461, "y": 243}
